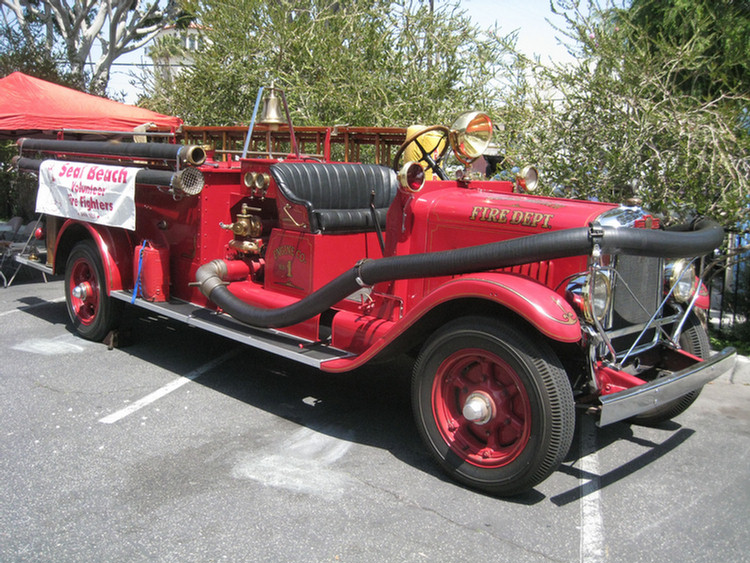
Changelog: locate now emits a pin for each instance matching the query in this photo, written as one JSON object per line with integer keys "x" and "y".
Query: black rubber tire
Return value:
{"x": 533, "y": 419}
{"x": 693, "y": 340}
{"x": 95, "y": 315}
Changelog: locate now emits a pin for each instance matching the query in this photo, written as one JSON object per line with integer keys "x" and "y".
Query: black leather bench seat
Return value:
{"x": 337, "y": 195}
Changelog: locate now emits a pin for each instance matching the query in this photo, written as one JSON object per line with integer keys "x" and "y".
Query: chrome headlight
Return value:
{"x": 597, "y": 295}
{"x": 680, "y": 275}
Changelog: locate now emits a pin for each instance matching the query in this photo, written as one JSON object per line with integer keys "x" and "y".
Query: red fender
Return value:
{"x": 544, "y": 309}
{"x": 115, "y": 249}
{"x": 704, "y": 299}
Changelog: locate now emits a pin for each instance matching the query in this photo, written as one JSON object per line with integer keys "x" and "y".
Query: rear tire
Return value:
{"x": 693, "y": 340}
{"x": 93, "y": 312}
{"x": 493, "y": 406}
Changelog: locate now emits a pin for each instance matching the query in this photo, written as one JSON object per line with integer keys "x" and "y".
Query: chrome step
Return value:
{"x": 297, "y": 349}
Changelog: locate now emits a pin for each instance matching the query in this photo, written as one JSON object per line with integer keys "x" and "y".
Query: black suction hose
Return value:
{"x": 191, "y": 154}
{"x": 702, "y": 237}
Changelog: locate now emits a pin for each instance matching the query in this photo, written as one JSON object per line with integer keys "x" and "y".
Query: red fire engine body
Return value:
{"x": 519, "y": 309}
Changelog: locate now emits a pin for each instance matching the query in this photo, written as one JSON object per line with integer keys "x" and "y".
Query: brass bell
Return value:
{"x": 272, "y": 110}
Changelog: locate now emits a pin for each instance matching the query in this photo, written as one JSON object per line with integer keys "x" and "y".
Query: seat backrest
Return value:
{"x": 337, "y": 195}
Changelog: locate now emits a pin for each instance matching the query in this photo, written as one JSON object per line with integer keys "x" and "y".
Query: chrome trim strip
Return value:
{"x": 631, "y": 402}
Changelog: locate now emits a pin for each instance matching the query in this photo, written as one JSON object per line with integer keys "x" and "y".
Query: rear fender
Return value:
{"x": 115, "y": 248}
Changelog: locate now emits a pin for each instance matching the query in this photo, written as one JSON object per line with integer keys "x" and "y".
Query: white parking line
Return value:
{"x": 592, "y": 526}
{"x": 168, "y": 388}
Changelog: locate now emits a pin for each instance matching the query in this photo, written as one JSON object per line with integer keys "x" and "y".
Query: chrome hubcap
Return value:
{"x": 478, "y": 408}
{"x": 81, "y": 291}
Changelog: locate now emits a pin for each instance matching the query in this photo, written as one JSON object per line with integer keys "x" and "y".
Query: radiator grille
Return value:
{"x": 643, "y": 276}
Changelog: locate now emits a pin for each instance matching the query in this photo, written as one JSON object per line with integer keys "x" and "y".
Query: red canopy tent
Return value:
{"x": 30, "y": 106}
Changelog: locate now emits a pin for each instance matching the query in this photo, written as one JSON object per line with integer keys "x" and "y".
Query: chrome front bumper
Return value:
{"x": 637, "y": 400}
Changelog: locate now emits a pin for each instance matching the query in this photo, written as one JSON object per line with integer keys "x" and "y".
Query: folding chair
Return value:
{"x": 8, "y": 232}
{"x": 11, "y": 249}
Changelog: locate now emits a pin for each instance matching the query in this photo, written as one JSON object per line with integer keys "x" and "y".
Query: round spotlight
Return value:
{"x": 528, "y": 178}
{"x": 470, "y": 136}
{"x": 411, "y": 177}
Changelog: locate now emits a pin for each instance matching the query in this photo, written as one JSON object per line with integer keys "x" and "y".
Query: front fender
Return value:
{"x": 544, "y": 309}
{"x": 115, "y": 249}
{"x": 703, "y": 301}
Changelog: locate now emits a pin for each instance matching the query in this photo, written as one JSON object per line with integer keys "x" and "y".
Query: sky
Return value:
{"x": 529, "y": 17}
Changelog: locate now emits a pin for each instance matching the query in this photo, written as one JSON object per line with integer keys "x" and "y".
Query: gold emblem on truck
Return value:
{"x": 511, "y": 217}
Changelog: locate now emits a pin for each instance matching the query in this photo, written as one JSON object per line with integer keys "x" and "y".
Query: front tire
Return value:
{"x": 493, "y": 406}
{"x": 90, "y": 308}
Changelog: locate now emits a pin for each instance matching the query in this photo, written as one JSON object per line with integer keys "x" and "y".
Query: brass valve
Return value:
{"x": 245, "y": 246}
{"x": 246, "y": 225}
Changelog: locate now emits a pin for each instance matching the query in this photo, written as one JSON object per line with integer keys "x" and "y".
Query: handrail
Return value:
{"x": 355, "y": 144}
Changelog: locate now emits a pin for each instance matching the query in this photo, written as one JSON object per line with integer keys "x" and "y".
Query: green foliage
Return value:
{"x": 361, "y": 62}
{"x": 85, "y": 38}
{"x": 28, "y": 54}
{"x": 738, "y": 336}
{"x": 17, "y": 191}
{"x": 629, "y": 116}
{"x": 713, "y": 37}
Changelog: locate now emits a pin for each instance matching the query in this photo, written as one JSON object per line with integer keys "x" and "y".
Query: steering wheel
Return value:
{"x": 433, "y": 163}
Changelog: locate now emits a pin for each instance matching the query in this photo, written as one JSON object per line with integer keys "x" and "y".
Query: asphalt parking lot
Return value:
{"x": 181, "y": 446}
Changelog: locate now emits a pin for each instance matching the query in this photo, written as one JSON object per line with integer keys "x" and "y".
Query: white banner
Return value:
{"x": 96, "y": 193}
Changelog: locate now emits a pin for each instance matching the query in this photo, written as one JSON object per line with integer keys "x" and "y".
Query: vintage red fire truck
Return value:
{"x": 518, "y": 309}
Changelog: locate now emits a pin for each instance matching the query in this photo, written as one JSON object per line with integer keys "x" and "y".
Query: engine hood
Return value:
{"x": 459, "y": 217}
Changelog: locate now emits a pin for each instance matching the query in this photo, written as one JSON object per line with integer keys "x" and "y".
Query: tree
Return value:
{"x": 713, "y": 36}
{"x": 28, "y": 55}
{"x": 358, "y": 62}
{"x": 639, "y": 114}
{"x": 87, "y": 29}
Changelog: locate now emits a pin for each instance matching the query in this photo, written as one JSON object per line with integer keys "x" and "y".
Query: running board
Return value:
{"x": 297, "y": 349}
{"x": 35, "y": 264}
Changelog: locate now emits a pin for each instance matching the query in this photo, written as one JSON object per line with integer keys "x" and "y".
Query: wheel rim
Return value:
{"x": 85, "y": 306}
{"x": 493, "y": 395}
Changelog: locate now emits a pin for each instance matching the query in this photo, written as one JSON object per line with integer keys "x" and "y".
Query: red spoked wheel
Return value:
{"x": 481, "y": 407}
{"x": 494, "y": 407}
{"x": 91, "y": 310}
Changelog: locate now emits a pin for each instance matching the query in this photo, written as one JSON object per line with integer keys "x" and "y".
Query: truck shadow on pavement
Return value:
{"x": 370, "y": 406}
{"x": 604, "y": 437}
